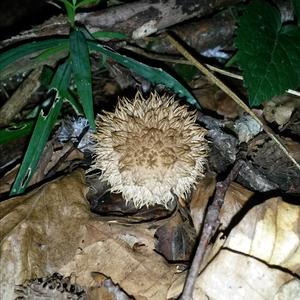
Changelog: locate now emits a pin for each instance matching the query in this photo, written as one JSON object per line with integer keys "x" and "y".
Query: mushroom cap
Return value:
{"x": 150, "y": 149}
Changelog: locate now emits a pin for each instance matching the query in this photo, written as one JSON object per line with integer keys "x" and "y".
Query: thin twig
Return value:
{"x": 230, "y": 93}
{"x": 211, "y": 224}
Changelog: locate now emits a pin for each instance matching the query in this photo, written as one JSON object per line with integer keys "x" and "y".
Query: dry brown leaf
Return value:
{"x": 280, "y": 109}
{"x": 236, "y": 196}
{"x": 7, "y": 180}
{"x": 51, "y": 230}
{"x": 269, "y": 160}
{"x": 41, "y": 231}
{"x": 213, "y": 99}
{"x": 257, "y": 260}
{"x": 176, "y": 238}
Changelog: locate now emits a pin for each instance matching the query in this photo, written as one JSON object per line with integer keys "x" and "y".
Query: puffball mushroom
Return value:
{"x": 150, "y": 150}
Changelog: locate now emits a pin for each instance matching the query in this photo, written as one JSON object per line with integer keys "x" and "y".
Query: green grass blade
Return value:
{"x": 42, "y": 130}
{"x": 36, "y": 146}
{"x": 62, "y": 86}
{"x": 16, "y": 131}
{"x": 45, "y": 55}
{"x": 61, "y": 79}
{"x": 80, "y": 60}
{"x": 154, "y": 75}
{"x": 10, "y": 56}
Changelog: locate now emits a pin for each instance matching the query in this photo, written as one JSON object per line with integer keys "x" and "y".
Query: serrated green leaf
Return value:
{"x": 268, "y": 53}
{"x": 79, "y": 55}
{"x": 154, "y": 75}
{"x": 42, "y": 130}
{"x": 16, "y": 131}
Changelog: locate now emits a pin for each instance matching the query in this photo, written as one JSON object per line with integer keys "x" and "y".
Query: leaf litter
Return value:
{"x": 52, "y": 230}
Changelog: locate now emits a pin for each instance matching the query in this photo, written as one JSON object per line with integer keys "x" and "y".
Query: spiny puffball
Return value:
{"x": 150, "y": 149}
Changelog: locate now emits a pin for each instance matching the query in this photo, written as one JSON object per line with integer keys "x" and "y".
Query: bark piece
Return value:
{"x": 137, "y": 19}
{"x": 269, "y": 160}
{"x": 223, "y": 150}
{"x": 211, "y": 33}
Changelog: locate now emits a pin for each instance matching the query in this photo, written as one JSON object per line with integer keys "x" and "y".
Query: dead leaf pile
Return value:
{"x": 52, "y": 230}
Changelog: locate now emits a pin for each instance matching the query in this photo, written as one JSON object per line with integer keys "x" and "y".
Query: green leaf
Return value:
{"x": 42, "y": 130}
{"x": 61, "y": 80}
{"x": 62, "y": 86}
{"x": 16, "y": 131}
{"x": 11, "y": 56}
{"x": 74, "y": 103}
{"x": 154, "y": 75}
{"x": 50, "y": 52}
{"x": 268, "y": 53}
{"x": 79, "y": 55}
{"x": 109, "y": 35}
{"x": 36, "y": 146}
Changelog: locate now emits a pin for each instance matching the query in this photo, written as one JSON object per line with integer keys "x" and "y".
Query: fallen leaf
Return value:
{"x": 270, "y": 161}
{"x": 236, "y": 276}
{"x": 41, "y": 231}
{"x": 235, "y": 197}
{"x": 52, "y": 230}
{"x": 280, "y": 109}
{"x": 270, "y": 232}
{"x": 215, "y": 100}
{"x": 258, "y": 259}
